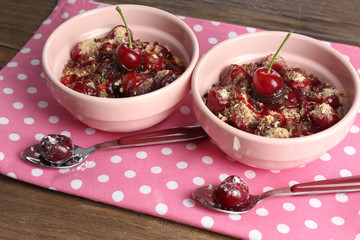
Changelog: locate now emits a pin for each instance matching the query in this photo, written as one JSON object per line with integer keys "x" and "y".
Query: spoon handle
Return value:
{"x": 179, "y": 134}
{"x": 345, "y": 184}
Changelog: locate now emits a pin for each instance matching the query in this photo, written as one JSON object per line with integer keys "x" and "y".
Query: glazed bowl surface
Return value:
{"x": 301, "y": 51}
{"x": 121, "y": 114}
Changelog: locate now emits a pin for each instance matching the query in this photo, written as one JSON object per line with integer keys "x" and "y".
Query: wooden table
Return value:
{"x": 31, "y": 212}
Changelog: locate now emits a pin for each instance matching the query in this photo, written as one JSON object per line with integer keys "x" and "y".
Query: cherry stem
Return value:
{"x": 277, "y": 52}
{"x": 127, "y": 29}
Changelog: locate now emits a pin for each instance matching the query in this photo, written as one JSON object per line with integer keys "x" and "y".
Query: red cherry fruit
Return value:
{"x": 56, "y": 148}
{"x": 216, "y": 101}
{"x": 267, "y": 81}
{"x": 324, "y": 116}
{"x": 231, "y": 193}
{"x": 127, "y": 55}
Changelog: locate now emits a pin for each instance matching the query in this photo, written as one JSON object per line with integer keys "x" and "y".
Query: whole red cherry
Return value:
{"x": 56, "y": 148}
{"x": 231, "y": 193}
{"x": 267, "y": 83}
{"x": 127, "y": 55}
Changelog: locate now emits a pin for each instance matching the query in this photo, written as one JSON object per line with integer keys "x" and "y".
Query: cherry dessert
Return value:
{"x": 116, "y": 65}
{"x": 56, "y": 148}
{"x": 231, "y": 193}
{"x": 283, "y": 102}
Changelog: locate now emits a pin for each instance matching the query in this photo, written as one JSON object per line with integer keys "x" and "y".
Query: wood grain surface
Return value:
{"x": 31, "y": 212}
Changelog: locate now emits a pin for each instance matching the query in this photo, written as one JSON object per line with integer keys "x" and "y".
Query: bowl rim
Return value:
{"x": 188, "y": 71}
{"x": 346, "y": 120}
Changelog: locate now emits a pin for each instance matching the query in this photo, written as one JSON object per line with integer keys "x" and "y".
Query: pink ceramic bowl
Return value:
{"x": 121, "y": 114}
{"x": 270, "y": 153}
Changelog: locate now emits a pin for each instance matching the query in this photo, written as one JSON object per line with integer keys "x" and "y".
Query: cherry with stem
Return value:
{"x": 127, "y": 55}
{"x": 267, "y": 81}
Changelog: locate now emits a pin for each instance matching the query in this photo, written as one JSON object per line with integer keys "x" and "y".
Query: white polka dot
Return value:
{"x": 265, "y": 189}
{"x": 103, "y": 178}
{"x": 207, "y": 222}
{"x": 47, "y": 21}
{"x": 130, "y": 174}
{"x": 18, "y": 105}
{"x": 161, "y": 208}
{"x": 64, "y": 170}
{"x": 283, "y": 228}
{"x": 90, "y": 164}
{"x": 182, "y": 165}
{"x": 1, "y": 77}
{"x": 166, "y": 151}
{"x": 235, "y": 217}
{"x": 207, "y": 160}
{"x": 314, "y": 202}
{"x": 262, "y": 212}
{"x": 37, "y": 172}
{"x": 292, "y": 183}
{"x": 156, "y": 170}
{"x": 39, "y": 136}
{"x": 198, "y": 28}
{"x": 8, "y": 90}
{"x": 172, "y": 185}
{"x": 337, "y": 221}
{"x": 212, "y": 40}
{"x": 14, "y": 137}
{"x": 32, "y": 90}
{"x": 345, "y": 173}
{"x": 12, "y": 64}
{"x": 288, "y": 206}
{"x": 350, "y": 150}
{"x": 341, "y": 197}
{"x": 37, "y": 36}
{"x": 71, "y": 1}
{"x": 145, "y": 189}
{"x": 185, "y": 110}
{"x": 310, "y": 224}
{"x": 64, "y": 15}
{"x": 191, "y": 146}
{"x": 29, "y": 120}
{"x": 12, "y": 175}
{"x": 22, "y": 76}
{"x": 250, "y": 29}
{"x": 43, "y": 104}
{"x": 66, "y": 133}
{"x": 76, "y": 184}
{"x": 25, "y": 50}
{"x": 255, "y": 234}
{"x": 35, "y": 62}
{"x": 188, "y": 202}
{"x": 4, "y": 120}
{"x": 118, "y": 196}
{"x": 222, "y": 176}
{"x": 347, "y": 57}
{"x": 115, "y": 159}
{"x": 354, "y": 129}
{"x": 198, "y": 181}
{"x": 2, "y": 156}
{"x": 141, "y": 155}
{"x": 90, "y": 131}
{"x": 215, "y": 23}
{"x": 232, "y": 34}
{"x": 325, "y": 157}
{"x": 250, "y": 174}
{"x": 357, "y": 237}
{"x": 319, "y": 178}
{"x": 54, "y": 119}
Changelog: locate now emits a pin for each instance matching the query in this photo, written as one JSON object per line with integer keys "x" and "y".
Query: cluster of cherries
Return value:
{"x": 268, "y": 86}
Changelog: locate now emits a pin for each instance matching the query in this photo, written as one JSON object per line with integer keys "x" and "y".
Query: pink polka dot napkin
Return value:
{"x": 159, "y": 180}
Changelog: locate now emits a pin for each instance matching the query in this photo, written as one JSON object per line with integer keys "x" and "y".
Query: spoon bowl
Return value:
{"x": 172, "y": 135}
{"x": 204, "y": 195}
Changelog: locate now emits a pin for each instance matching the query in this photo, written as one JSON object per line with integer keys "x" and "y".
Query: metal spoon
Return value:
{"x": 204, "y": 195}
{"x": 171, "y": 135}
